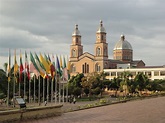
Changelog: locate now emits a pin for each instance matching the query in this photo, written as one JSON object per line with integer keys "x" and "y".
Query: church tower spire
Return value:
{"x": 101, "y": 47}
{"x": 76, "y": 49}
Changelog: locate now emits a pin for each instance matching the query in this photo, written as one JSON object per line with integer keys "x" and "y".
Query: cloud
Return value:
{"x": 47, "y": 25}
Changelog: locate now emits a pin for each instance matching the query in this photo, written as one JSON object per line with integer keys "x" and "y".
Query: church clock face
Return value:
{"x": 98, "y": 37}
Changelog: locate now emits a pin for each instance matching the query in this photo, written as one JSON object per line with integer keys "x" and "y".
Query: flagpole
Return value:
{"x": 19, "y": 84}
{"x": 48, "y": 89}
{"x": 52, "y": 91}
{"x": 15, "y": 71}
{"x": 43, "y": 90}
{"x": 39, "y": 91}
{"x": 29, "y": 90}
{"x": 24, "y": 84}
{"x": 63, "y": 90}
{"x": 67, "y": 92}
{"x": 8, "y": 78}
{"x": 29, "y": 78}
{"x": 14, "y": 91}
{"x": 8, "y": 90}
{"x": 34, "y": 89}
{"x": 56, "y": 89}
{"x": 59, "y": 91}
{"x": 20, "y": 75}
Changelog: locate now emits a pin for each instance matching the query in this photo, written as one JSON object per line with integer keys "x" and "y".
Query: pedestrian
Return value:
{"x": 45, "y": 102}
{"x": 74, "y": 100}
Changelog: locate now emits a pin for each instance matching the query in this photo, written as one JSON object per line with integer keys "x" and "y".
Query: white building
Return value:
{"x": 152, "y": 73}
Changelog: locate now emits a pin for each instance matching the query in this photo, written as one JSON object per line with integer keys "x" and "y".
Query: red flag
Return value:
{"x": 27, "y": 66}
{"x": 20, "y": 68}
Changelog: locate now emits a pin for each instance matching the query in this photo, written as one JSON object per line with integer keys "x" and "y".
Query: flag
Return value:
{"x": 20, "y": 68}
{"x": 64, "y": 63}
{"x": 52, "y": 66}
{"x": 40, "y": 66}
{"x": 33, "y": 67}
{"x": 8, "y": 67}
{"x": 27, "y": 66}
{"x": 61, "y": 62}
{"x": 15, "y": 64}
{"x": 65, "y": 71}
{"x": 53, "y": 60}
{"x": 45, "y": 64}
{"x": 68, "y": 68}
{"x": 37, "y": 58}
{"x": 58, "y": 66}
{"x": 49, "y": 58}
{"x": 53, "y": 70}
{"x": 65, "y": 74}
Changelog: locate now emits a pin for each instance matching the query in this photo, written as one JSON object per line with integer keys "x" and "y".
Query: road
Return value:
{"x": 140, "y": 111}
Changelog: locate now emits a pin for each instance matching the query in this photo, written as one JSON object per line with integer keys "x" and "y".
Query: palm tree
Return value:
{"x": 142, "y": 81}
{"x": 115, "y": 84}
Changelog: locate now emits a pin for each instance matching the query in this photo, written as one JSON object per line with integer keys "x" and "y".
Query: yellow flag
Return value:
{"x": 68, "y": 66}
{"x": 8, "y": 67}
{"x": 15, "y": 64}
{"x": 60, "y": 62}
{"x": 45, "y": 63}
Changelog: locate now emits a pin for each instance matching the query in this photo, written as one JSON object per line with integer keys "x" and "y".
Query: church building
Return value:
{"x": 84, "y": 62}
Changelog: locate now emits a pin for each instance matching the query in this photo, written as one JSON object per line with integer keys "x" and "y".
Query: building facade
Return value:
{"x": 84, "y": 62}
{"x": 152, "y": 73}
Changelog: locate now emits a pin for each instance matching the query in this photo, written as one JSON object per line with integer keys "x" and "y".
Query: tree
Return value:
{"x": 142, "y": 81}
{"x": 3, "y": 83}
{"x": 156, "y": 85}
{"x": 74, "y": 84}
{"x": 115, "y": 84}
{"x": 91, "y": 82}
{"x": 5, "y": 66}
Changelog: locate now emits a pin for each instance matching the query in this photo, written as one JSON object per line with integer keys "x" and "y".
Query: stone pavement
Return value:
{"x": 140, "y": 111}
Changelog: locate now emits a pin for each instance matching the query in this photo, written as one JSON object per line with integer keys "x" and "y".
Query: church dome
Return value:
{"x": 76, "y": 31}
{"x": 101, "y": 28}
{"x": 122, "y": 44}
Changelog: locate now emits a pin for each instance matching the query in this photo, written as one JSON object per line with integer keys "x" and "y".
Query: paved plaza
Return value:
{"x": 140, "y": 111}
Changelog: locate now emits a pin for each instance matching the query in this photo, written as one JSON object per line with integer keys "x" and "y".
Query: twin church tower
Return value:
{"x": 84, "y": 62}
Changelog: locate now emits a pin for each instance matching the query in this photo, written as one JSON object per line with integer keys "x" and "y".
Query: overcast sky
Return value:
{"x": 46, "y": 26}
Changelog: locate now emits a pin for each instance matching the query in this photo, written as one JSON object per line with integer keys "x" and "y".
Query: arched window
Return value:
{"x": 73, "y": 53}
{"x": 85, "y": 68}
{"x": 76, "y": 40}
{"x": 97, "y": 68}
{"x": 73, "y": 68}
{"x": 98, "y": 51}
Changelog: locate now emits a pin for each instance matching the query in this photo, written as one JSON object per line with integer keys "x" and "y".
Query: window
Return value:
{"x": 156, "y": 73}
{"x": 73, "y": 68}
{"x": 97, "y": 68}
{"x": 162, "y": 73}
{"x": 85, "y": 68}
{"x": 73, "y": 53}
{"x": 113, "y": 73}
{"x": 76, "y": 40}
{"x": 98, "y": 51}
